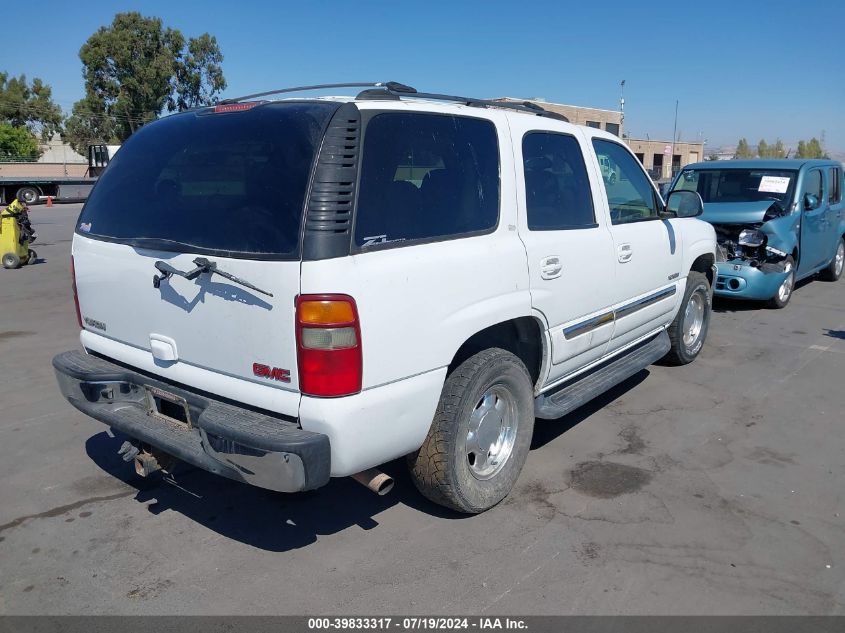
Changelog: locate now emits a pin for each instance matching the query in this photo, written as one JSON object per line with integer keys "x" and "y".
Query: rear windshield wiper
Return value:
{"x": 202, "y": 266}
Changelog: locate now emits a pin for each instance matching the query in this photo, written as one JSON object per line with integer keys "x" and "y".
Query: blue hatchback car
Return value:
{"x": 776, "y": 221}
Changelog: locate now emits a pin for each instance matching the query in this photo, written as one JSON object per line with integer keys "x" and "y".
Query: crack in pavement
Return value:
{"x": 60, "y": 510}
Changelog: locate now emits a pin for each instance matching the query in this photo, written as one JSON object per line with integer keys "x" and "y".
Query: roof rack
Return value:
{"x": 388, "y": 90}
{"x": 393, "y": 86}
{"x": 396, "y": 90}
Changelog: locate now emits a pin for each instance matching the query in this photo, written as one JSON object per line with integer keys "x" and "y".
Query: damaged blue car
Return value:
{"x": 776, "y": 222}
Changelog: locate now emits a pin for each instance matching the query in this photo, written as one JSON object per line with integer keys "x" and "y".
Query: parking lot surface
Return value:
{"x": 715, "y": 488}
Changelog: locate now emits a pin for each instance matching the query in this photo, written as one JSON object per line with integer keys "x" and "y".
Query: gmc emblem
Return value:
{"x": 271, "y": 373}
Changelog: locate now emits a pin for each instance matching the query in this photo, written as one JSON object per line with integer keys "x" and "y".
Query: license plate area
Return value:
{"x": 168, "y": 406}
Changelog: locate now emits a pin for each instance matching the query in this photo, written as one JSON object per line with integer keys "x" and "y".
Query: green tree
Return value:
{"x": 777, "y": 150}
{"x": 763, "y": 149}
{"x": 712, "y": 157}
{"x": 742, "y": 149}
{"x": 17, "y": 143}
{"x": 133, "y": 70}
{"x": 810, "y": 149}
{"x": 29, "y": 105}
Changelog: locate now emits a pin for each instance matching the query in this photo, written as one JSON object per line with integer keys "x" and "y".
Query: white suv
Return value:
{"x": 281, "y": 292}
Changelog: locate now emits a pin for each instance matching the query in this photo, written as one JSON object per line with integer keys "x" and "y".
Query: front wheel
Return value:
{"x": 480, "y": 435}
{"x": 834, "y": 270}
{"x": 689, "y": 328}
{"x": 784, "y": 293}
{"x": 10, "y": 260}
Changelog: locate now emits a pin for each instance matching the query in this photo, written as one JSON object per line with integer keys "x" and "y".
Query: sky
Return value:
{"x": 738, "y": 68}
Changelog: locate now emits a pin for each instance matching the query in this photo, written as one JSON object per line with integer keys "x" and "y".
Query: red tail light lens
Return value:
{"x": 75, "y": 296}
{"x": 328, "y": 343}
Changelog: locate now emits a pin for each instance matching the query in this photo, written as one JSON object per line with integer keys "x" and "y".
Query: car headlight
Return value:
{"x": 752, "y": 238}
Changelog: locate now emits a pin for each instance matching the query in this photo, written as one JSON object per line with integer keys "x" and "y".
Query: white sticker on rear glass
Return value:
{"x": 774, "y": 184}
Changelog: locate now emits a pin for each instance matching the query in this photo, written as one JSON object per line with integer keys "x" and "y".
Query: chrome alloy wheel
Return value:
{"x": 492, "y": 432}
{"x": 693, "y": 319}
{"x": 840, "y": 259}
{"x": 786, "y": 287}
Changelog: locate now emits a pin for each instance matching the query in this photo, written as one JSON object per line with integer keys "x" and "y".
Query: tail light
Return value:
{"x": 328, "y": 345}
{"x": 75, "y": 295}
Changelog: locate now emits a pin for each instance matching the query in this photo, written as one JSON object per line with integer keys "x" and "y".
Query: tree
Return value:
{"x": 810, "y": 149}
{"x": 199, "y": 76}
{"x": 713, "y": 157}
{"x": 136, "y": 67}
{"x": 29, "y": 105}
{"x": 17, "y": 143}
{"x": 778, "y": 151}
{"x": 763, "y": 149}
{"x": 742, "y": 149}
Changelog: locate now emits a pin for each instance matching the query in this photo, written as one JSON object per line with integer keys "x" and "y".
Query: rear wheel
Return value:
{"x": 30, "y": 194}
{"x": 480, "y": 435}
{"x": 10, "y": 260}
{"x": 784, "y": 293}
{"x": 834, "y": 270}
{"x": 689, "y": 328}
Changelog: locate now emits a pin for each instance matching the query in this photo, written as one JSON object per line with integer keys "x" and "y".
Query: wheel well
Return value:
{"x": 704, "y": 264}
{"x": 521, "y": 337}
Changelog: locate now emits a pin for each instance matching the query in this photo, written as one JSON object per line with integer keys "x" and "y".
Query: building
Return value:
{"x": 660, "y": 158}
{"x": 663, "y": 159}
{"x": 608, "y": 120}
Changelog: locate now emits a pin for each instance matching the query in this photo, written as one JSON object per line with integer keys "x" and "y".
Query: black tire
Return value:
{"x": 834, "y": 269}
{"x": 10, "y": 260}
{"x": 781, "y": 300}
{"x": 684, "y": 351}
{"x": 442, "y": 469}
{"x": 30, "y": 194}
{"x": 33, "y": 256}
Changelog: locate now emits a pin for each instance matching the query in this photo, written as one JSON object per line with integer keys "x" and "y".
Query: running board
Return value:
{"x": 584, "y": 388}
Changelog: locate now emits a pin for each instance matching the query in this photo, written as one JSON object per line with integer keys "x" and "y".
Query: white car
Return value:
{"x": 281, "y": 292}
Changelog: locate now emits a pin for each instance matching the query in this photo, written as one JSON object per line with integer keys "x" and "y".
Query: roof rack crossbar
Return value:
{"x": 525, "y": 106}
{"x": 393, "y": 86}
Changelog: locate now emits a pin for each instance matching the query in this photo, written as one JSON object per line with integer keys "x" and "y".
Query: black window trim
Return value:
{"x": 658, "y": 200}
{"x": 574, "y": 227}
{"x": 366, "y": 116}
{"x": 838, "y": 187}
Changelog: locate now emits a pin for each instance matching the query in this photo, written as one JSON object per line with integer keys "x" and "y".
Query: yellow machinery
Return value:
{"x": 14, "y": 250}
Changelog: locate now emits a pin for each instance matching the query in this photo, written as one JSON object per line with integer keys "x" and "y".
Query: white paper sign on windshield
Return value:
{"x": 774, "y": 184}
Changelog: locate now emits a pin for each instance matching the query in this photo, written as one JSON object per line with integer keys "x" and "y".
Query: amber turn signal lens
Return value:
{"x": 325, "y": 312}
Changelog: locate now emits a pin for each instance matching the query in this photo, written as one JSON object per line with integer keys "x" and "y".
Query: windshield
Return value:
{"x": 230, "y": 184}
{"x": 738, "y": 185}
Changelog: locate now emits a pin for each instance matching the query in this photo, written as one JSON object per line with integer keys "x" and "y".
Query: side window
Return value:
{"x": 557, "y": 188}
{"x": 813, "y": 184}
{"x": 834, "y": 177}
{"x": 426, "y": 176}
{"x": 629, "y": 193}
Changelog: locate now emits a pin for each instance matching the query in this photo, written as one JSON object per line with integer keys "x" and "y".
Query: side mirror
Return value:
{"x": 684, "y": 204}
{"x": 810, "y": 202}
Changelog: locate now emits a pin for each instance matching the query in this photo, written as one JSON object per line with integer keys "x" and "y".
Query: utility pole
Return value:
{"x": 674, "y": 131}
{"x": 622, "y": 108}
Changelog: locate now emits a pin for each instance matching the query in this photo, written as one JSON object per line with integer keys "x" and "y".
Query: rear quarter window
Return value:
{"x": 426, "y": 177}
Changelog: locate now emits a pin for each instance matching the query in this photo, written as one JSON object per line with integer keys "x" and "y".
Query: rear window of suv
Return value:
{"x": 229, "y": 183}
{"x": 426, "y": 177}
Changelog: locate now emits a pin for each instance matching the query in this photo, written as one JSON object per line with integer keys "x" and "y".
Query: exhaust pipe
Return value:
{"x": 377, "y": 481}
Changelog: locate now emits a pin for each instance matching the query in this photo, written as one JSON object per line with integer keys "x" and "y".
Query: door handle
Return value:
{"x": 624, "y": 253}
{"x": 550, "y": 267}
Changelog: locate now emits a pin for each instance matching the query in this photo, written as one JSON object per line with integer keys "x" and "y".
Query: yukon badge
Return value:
{"x": 97, "y": 325}
{"x": 271, "y": 373}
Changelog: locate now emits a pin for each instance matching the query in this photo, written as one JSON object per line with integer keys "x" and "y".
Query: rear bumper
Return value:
{"x": 738, "y": 280}
{"x": 226, "y": 440}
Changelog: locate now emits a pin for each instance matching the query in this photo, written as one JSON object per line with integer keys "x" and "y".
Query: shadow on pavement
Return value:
{"x": 840, "y": 334}
{"x": 261, "y": 518}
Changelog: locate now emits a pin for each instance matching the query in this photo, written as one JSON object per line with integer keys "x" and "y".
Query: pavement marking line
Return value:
{"x": 517, "y": 583}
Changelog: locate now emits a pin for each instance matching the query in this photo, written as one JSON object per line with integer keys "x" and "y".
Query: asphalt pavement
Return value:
{"x": 715, "y": 488}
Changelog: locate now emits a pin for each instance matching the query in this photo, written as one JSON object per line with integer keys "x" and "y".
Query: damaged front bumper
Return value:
{"x": 740, "y": 279}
